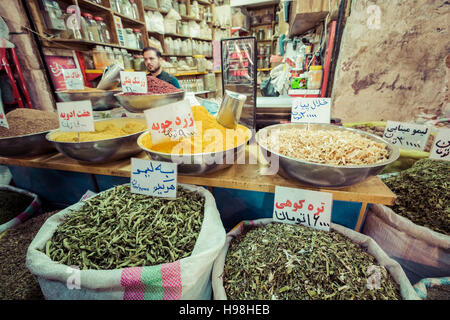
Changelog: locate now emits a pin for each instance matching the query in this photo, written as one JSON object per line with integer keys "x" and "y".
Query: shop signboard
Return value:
{"x": 133, "y": 81}
{"x": 75, "y": 116}
{"x": 311, "y": 110}
{"x": 441, "y": 145}
{"x": 406, "y": 135}
{"x": 153, "y": 178}
{"x": 170, "y": 122}
{"x": 305, "y": 207}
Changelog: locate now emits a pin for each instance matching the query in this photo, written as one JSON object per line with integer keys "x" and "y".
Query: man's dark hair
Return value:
{"x": 158, "y": 53}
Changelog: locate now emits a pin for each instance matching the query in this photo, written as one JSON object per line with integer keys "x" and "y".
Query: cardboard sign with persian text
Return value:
{"x": 133, "y": 81}
{"x": 305, "y": 207}
{"x": 153, "y": 178}
{"x": 73, "y": 79}
{"x": 406, "y": 135}
{"x": 170, "y": 122}
{"x": 441, "y": 145}
{"x": 75, "y": 116}
{"x": 311, "y": 110}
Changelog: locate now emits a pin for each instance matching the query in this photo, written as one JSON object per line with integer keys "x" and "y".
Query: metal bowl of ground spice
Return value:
{"x": 159, "y": 93}
{"x": 26, "y": 133}
{"x": 113, "y": 139}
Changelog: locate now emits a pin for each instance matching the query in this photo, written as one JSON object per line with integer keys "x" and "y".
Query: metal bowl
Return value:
{"x": 25, "y": 145}
{"x": 100, "y": 151}
{"x": 141, "y": 102}
{"x": 324, "y": 175}
{"x": 199, "y": 163}
{"x": 101, "y": 100}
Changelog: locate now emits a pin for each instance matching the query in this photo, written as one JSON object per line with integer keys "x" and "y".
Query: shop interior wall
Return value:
{"x": 28, "y": 54}
{"x": 394, "y": 61}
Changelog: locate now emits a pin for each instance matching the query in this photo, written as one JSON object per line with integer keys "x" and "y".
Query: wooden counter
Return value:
{"x": 242, "y": 177}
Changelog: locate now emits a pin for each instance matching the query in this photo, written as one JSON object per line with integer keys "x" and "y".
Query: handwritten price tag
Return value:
{"x": 406, "y": 135}
{"x": 75, "y": 116}
{"x": 133, "y": 81}
{"x": 73, "y": 79}
{"x": 312, "y": 110}
{"x": 441, "y": 146}
{"x": 153, "y": 178}
{"x": 170, "y": 122}
{"x": 305, "y": 207}
{"x": 3, "y": 121}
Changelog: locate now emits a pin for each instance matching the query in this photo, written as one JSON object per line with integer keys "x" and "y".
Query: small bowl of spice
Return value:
{"x": 26, "y": 133}
{"x": 159, "y": 93}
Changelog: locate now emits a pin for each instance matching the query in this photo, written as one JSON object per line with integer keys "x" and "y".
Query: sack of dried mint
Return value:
{"x": 121, "y": 245}
{"x": 264, "y": 260}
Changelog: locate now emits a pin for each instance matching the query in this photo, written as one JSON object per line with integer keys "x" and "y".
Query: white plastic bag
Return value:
{"x": 188, "y": 278}
{"x": 422, "y": 252}
{"x": 406, "y": 290}
{"x": 165, "y": 5}
{"x": 170, "y": 22}
{"x": 157, "y": 23}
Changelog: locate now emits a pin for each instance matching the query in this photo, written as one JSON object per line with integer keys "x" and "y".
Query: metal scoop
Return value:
{"x": 111, "y": 77}
{"x": 230, "y": 110}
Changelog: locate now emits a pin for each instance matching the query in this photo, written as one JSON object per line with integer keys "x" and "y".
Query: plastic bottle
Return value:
{"x": 315, "y": 77}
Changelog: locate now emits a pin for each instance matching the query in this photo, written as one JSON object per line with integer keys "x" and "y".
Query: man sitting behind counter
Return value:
{"x": 152, "y": 60}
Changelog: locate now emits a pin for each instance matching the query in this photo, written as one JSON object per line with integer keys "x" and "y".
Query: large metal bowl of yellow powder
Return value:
{"x": 212, "y": 148}
{"x": 113, "y": 139}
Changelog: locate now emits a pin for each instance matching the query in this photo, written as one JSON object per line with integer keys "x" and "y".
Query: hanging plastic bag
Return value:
{"x": 187, "y": 278}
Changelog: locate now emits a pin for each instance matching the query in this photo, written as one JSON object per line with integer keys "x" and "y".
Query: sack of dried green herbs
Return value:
{"x": 125, "y": 246}
{"x": 422, "y": 252}
{"x": 265, "y": 260}
{"x": 17, "y": 206}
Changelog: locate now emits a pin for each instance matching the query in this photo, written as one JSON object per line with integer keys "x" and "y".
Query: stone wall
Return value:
{"x": 29, "y": 58}
{"x": 394, "y": 61}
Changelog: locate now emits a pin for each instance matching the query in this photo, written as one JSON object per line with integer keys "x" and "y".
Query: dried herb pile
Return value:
{"x": 281, "y": 261}
{"x": 423, "y": 194}
{"x": 119, "y": 229}
{"x": 17, "y": 282}
{"x": 12, "y": 204}
{"x": 441, "y": 292}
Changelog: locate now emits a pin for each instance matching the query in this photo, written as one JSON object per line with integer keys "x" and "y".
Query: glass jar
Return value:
{"x": 84, "y": 28}
{"x": 117, "y": 5}
{"x": 139, "y": 41}
{"x": 182, "y": 8}
{"x": 127, "y": 9}
{"x": 72, "y": 31}
{"x": 315, "y": 77}
{"x": 269, "y": 33}
{"x": 138, "y": 63}
{"x": 93, "y": 28}
{"x": 100, "y": 58}
{"x": 127, "y": 63}
{"x": 103, "y": 29}
{"x": 118, "y": 58}
{"x": 134, "y": 11}
{"x": 86, "y": 20}
{"x": 113, "y": 5}
{"x": 268, "y": 49}
{"x": 109, "y": 55}
{"x": 130, "y": 38}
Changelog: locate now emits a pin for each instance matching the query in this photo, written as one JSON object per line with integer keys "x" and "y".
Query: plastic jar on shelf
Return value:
{"x": 130, "y": 38}
{"x": 182, "y": 8}
{"x": 201, "y": 63}
{"x": 139, "y": 41}
{"x": 93, "y": 28}
{"x": 100, "y": 58}
{"x": 127, "y": 9}
{"x": 101, "y": 35}
{"x": 127, "y": 63}
{"x": 85, "y": 25}
{"x": 134, "y": 10}
{"x": 138, "y": 63}
{"x": 118, "y": 57}
{"x": 103, "y": 29}
{"x": 109, "y": 55}
{"x": 269, "y": 33}
{"x": 315, "y": 77}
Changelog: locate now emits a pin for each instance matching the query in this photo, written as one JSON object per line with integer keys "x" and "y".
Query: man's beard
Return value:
{"x": 154, "y": 70}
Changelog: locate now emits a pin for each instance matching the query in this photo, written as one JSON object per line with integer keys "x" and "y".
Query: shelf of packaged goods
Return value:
{"x": 91, "y": 43}
{"x": 128, "y": 20}
{"x": 92, "y": 6}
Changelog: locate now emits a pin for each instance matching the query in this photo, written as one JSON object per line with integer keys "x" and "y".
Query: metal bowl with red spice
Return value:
{"x": 159, "y": 93}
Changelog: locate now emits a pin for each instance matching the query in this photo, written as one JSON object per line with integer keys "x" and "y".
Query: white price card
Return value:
{"x": 75, "y": 116}
{"x": 73, "y": 79}
{"x": 441, "y": 145}
{"x": 305, "y": 207}
{"x": 406, "y": 135}
{"x": 3, "y": 121}
{"x": 311, "y": 110}
{"x": 133, "y": 81}
{"x": 153, "y": 178}
{"x": 170, "y": 122}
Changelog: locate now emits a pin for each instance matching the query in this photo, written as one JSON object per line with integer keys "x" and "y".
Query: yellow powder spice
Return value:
{"x": 210, "y": 136}
{"x": 104, "y": 130}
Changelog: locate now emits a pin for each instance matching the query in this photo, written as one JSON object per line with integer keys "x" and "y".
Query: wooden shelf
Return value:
{"x": 130, "y": 21}
{"x": 92, "y": 6}
{"x": 304, "y": 22}
{"x": 183, "y": 74}
{"x": 91, "y": 43}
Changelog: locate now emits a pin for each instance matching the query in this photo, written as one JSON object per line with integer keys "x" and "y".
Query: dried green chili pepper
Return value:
{"x": 119, "y": 229}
